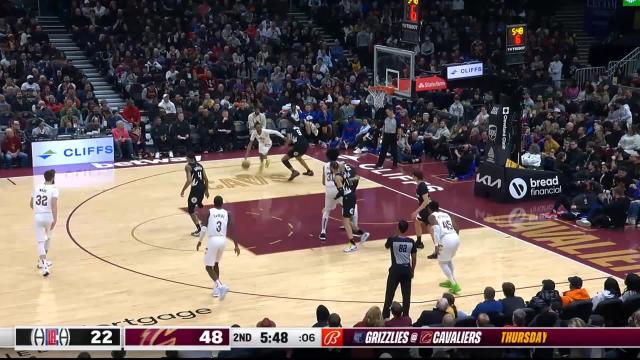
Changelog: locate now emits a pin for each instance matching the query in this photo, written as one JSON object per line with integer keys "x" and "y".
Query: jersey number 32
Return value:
{"x": 42, "y": 200}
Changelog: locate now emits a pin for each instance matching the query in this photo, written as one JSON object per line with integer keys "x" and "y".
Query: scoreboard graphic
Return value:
{"x": 202, "y": 338}
{"x": 45, "y": 338}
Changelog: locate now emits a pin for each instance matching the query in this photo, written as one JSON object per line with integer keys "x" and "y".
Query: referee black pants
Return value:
{"x": 399, "y": 275}
{"x": 389, "y": 144}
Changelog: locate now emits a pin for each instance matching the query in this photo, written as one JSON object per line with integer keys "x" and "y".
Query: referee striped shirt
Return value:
{"x": 401, "y": 249}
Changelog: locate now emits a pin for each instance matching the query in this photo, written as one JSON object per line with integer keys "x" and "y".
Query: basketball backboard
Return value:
{"x": 394, "y": 67}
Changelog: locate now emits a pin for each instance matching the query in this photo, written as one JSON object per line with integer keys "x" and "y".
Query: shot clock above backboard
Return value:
{"x": 411, "y": 21}
{"x": 516, "y": 43}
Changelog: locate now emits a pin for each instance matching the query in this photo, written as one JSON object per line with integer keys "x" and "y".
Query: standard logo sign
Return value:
{"x": 464, "y": 71}
{"x": 66, "y": 152}
{"x": 518, "y": 188}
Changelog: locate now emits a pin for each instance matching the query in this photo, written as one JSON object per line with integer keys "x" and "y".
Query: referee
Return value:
{"x": 403, "y": 264}
{"x": 389, "y": 139}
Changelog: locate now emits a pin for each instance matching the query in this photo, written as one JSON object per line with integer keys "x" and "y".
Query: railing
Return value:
{"x": 588, "y": 74}
{"x": 625, "y": 66}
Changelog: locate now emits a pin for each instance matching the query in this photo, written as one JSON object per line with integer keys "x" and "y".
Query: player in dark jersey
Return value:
{"x": 346, "y": 190}
{"x": 421, "y": 214}
{"x": 197, "y": 179}
{"x": 299, "y": 146}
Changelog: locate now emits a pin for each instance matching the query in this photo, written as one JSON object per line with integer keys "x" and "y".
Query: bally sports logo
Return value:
{"x": 332, "y": 337}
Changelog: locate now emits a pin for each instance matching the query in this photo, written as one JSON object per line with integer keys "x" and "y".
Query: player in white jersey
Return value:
{"x": 445, "y": 234}
{"x": 263, "y": 136}
{"x": 330, "y": 201}
{"x": 216, "y": 229}
{"x": 44, "y": 202}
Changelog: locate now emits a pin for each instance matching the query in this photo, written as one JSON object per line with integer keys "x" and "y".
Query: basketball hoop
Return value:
{"x": 379, "y": 94}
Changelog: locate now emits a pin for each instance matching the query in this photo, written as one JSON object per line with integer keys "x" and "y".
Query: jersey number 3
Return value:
{"x": 219, "y": 226}
{"x": 42, "y": 200}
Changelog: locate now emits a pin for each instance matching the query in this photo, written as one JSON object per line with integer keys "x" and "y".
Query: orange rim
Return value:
{"x": 387, "y": 89}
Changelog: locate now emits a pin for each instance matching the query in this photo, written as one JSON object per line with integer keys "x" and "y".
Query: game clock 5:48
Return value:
{"x": 276, "y": 337}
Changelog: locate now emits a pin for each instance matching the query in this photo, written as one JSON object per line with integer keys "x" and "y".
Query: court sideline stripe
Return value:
{"x": 498, "y": 230}
{"x": 73, "y": 239}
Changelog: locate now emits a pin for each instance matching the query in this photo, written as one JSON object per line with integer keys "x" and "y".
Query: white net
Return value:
{"x": 378, "y": 97}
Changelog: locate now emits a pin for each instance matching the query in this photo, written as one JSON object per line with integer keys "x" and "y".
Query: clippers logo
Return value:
{"x": 518, "y": 188}
{"x": 50, "y": 337}
{"x": 493, "y": 132}
{"x": 332, "y": 337}
{"x": 426, "y": 337}
{"x": 158, "y": 337}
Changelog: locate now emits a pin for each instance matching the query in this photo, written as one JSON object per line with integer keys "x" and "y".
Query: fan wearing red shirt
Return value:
{"x": 122, "y": 139}
{"x": 131, "y": 113}
{"x": 398, "y": 320}
{"x": 12, "y": 149}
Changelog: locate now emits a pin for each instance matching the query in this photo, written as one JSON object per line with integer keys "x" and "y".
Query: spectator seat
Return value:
{"x": 579, "y": 309}
{"x": 611, "y": 310}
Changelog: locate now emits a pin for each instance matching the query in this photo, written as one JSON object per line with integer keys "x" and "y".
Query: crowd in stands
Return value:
{"x": 202, "y": 72}
{"x": 610, "y": 306}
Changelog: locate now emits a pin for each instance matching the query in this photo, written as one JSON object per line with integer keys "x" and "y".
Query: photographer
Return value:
{"x": 460, "y": 162}
{"x": 612, "y": 214}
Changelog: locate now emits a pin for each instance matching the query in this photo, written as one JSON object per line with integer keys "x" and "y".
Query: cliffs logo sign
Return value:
{"x": 430, "y": 83}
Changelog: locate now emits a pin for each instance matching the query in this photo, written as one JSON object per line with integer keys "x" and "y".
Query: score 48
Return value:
{"x": 211, "y": 337}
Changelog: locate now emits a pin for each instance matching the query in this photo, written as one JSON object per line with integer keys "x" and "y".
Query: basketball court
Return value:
{"x": 123, "y": 255}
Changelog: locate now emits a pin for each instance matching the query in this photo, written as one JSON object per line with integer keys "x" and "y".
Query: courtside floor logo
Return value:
{"x": 518, "y": 188}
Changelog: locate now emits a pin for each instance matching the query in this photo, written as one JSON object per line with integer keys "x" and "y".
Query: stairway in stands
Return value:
{"x": 330, "y": 40}
{"x": 60, "y": 37}
{"x": 571, "y": 16}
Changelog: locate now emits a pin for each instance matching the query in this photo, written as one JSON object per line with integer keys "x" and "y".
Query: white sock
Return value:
{"x": 447, "y": 271}
{"x": 450, "y": 265}
{"x": 354, "y": 218}
{"x": 325, "y": 221}
{"x": 219, "y": 283}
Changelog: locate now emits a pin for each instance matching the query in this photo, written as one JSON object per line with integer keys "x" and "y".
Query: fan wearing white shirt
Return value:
{"x": 532, "y": 158}
{"x": 167, "y": 105}
{"x": 263, "y": 137}
{"x": 555, "y": 71}
{"x": 44, "y": 202}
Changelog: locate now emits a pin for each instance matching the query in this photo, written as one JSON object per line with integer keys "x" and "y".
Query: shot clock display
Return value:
{"x": 516, "y": 43}
{"x": 516, "y": 38}
{"x": 411, "y": 22}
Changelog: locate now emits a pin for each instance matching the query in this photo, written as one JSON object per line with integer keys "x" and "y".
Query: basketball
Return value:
{"x": 246, "y": 164}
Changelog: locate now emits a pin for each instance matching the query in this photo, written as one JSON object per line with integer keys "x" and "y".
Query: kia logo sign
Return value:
{"x": 430, "y": 83}
{"x": 464, "y": 71}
